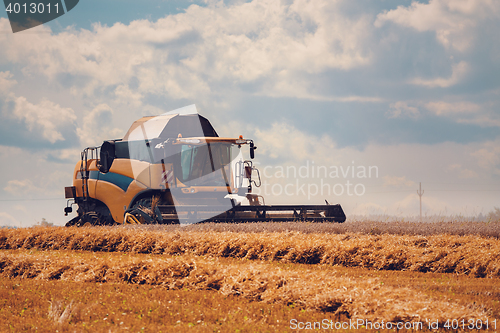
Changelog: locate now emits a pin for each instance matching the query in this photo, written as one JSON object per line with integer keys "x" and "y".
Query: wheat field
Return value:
{"x": 472, "y": 255}
{"x": 319, "y": 268}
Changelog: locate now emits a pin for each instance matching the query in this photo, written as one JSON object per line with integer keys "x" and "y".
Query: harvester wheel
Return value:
{"x": 73, "y": 222}
{"x": 89, "y": 219}
{"x": 145, "y": 213}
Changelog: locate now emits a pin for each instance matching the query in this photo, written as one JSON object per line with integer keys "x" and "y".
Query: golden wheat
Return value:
{"x": 471, "y": 255}
{"x": 460, "y": 228}
{"x": 311, "y": 289}
{"x": 29, "y": 305}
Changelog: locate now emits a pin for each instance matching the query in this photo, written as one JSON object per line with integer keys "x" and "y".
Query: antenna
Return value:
{"x": 420, "y": 192}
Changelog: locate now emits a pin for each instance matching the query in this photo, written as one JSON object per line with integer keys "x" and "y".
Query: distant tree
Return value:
{"x": 45, "y": 223}
{"x": 494, "y": 216}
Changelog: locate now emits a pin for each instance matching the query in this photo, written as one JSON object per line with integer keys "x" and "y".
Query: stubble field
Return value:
{"x": 253, "y": 277}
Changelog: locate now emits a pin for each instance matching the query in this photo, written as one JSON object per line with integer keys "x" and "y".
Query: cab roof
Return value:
{"x": 170, "y": 126}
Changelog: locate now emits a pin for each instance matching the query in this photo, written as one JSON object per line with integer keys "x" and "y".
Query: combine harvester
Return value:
{"x": 172, "y": 169}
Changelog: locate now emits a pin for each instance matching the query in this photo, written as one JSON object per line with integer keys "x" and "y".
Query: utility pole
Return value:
{"x": 420, "y": 193}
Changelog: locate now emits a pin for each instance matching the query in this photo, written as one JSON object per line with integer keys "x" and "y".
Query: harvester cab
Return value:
{"x": 174, "y": 168}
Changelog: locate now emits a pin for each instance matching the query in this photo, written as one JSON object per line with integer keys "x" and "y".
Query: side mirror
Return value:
{"x": 107, "y": 156}
{"x": 252, "y": 150}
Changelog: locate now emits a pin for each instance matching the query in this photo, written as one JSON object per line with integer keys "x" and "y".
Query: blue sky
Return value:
{"x": 410, "y": 87}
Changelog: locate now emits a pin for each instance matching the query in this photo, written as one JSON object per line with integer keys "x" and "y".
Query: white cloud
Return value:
{"x": 67, "y": 154}
{"x": 465, "y": 112}
{"x": 488, "y": 156}
{"x": 407, "y": 207}
{"x": 7, "y": 220}
{"x": 125, "y": 95}
{"x": 368, "y": 208}
{"x": 97, "y": 126}
{"x": 22, "y": 187}
{"x": 6, "y": 151}
{"x": 466, "y": 173}
{"x": 395, "y": 181}
{"x": 453, "y": 21}
{"x": 431, "y": 204}
{"x": 463, "y": 173}
{"x": 460, "y": 112}
{"x": 444, "y": 108}
{"x": 49, "y": 186}
{"x": 6, "y": 83}
{"x": 400, "y": 109}
{"x": 48, "y": 117}
{"x": 359, "y": 99}
{"x": 482, "y": 120}
{"x": 184, "y": 55}
{"x": 283, "y": 141}
{"x": 287, "y": 84}
{"x": 458, "y": 73}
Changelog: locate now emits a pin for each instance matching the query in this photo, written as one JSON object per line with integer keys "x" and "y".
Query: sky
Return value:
{"x": 400, "y": 92}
